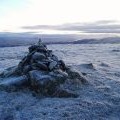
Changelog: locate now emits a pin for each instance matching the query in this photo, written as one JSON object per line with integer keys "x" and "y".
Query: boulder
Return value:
{"x": 59, "y": 76}
{"x": 38, "y": 56}
{"x": 45, "y": 81}
{"x": 73, "y": 74}
{"x": 42, "y": 82}
{"x": 55, "y": 58}
{"x": 32, "y": 48}
{"x": 26, "y": 69}
{"x": 36, "y": 77}
{"x": 59, "y": 71}
{"x": 14, "y": 83}
{"x": 62, "y": 65}
{"x": 49, "y": 53}
{"x": 9, "y": 72}
{"x": 52, "y": 65}
{"x": 42, "y": 66}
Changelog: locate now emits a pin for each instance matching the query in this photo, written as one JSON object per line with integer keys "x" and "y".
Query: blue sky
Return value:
{"x": 15, "y": 14}
{"x": 9, "y": 5}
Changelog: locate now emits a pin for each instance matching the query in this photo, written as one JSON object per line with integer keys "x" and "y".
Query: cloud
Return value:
{"x": 96, "y": 27}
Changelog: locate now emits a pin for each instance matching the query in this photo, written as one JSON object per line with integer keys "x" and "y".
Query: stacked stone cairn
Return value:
{"x": 41, "y": 71}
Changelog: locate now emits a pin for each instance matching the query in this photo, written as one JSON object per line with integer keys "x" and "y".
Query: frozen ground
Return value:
{"x": 100, "y": 100}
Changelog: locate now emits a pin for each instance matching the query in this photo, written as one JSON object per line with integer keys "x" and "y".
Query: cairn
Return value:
{"x": 42, "y": 71}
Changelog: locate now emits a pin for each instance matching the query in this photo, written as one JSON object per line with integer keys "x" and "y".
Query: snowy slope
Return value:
{"x": 100, "y": 100}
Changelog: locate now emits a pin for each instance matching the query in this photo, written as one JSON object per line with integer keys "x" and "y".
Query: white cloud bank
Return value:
{"x": 56, "y": 12}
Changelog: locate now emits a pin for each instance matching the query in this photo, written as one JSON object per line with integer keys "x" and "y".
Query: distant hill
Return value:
{"x": 108, "y": 40}
{"x": 15, "y": 39}
{"x": 23, "y": 39}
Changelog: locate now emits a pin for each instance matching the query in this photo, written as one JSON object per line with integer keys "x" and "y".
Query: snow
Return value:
{"x": 99, "y": 100}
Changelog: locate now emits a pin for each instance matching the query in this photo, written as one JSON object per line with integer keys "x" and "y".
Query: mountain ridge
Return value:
{"x": 11, "y": 41}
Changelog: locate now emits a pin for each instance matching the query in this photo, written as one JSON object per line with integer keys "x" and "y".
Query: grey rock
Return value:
{"x": 32, "y": 48}
{"x": 35, "y": 77}
{"x": 42, "y": 82}
{"x": 59, "y": 76}
{"x": 26, "y": 69}
{"x": 39, "y": 47}
{"x": 9, "y": 72}
{"x": 42, "y": 66}
{"x": 62, "y": 65}
{"x": 55, "y": 58}
{"x": 26, "y": 59}
{"x": 39, "y": 66}
{"x": 49, "y": 53}
{"x": 34, "y": 66}
{"x": 73, "y": 74}
{"x": 42, "y": 49}
{"x": 59, "y": 71}
{"x": 38, "y": 56}
{"x": 13, "y": 83}
{"x": 52, "y": 65}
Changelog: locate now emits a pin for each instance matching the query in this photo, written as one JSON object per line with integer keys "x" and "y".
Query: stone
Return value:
{"x": 42, "y": 50}
{"x": 43, "y": 78}
{"x": 36, "y": 76}
{"x": 62, "y": 65}
{"x": 38, "y": 56}
{"x": 25, "y": 61}
{"x": 52, "y": 65}
{"x": 42, "y": 66}
{"x": 9, "y": 72}
{"x": 59, "y": 71}
{"x": 13, "y": 83}
{"x": 32, "y": 48}
{"x": 73, "y": 74}
{"x": 26, "y": 69}
{"x": 55, "y": 58}
{"x": 49, "y": 53}
{"x": 59, "y": 76}
{"x": 42, "y": 82}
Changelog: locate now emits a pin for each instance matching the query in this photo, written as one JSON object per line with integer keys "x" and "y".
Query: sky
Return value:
{"x": 56, "y": 16}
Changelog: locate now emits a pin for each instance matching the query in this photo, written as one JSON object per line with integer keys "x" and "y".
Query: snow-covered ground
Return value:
{"x": 99, "y": 100}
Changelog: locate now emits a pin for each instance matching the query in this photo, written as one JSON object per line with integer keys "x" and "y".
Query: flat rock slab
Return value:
{"x": 38, "y": 56}
{"x": 52, "y": 65}
{"x": 13, "y": 82}
{"x": 43, "y": 79}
